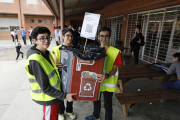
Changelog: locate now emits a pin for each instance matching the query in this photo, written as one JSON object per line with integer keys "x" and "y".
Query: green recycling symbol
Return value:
{"x": 87, "y": 87}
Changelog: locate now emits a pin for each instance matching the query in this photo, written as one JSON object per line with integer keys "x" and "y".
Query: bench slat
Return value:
{"x": 131, "y": 94}
{"x": 139, "y": 97}
{"x": 130, "y": 76}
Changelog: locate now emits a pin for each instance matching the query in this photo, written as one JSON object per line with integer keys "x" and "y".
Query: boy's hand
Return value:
{"x": 59, "y": 66}
{"x": 101, "y": 77}
{"x": 69, "y": 97}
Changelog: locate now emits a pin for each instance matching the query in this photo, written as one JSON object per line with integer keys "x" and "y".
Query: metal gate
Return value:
{"x": 115, "y": 24}
{"x": 158, "y": 28}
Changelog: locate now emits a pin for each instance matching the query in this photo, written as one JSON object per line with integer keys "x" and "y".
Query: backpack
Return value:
{"x": 158, "y": 67}
{"x": 142, "y": 41}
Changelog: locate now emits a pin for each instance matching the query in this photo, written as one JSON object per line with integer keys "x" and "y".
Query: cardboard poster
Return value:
{"x": 90, "y": 25}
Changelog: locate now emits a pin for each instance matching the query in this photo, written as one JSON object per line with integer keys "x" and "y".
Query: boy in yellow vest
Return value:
{"x": 43, "y": 75}
{"x": 67, "y": 35}
{"x": 109, "y": 85}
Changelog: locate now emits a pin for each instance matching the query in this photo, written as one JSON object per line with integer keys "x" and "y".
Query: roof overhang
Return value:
{"x": 77, "y": 7}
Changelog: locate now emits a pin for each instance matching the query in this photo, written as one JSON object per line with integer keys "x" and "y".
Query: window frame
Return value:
{"x": 41, "y": 21}
{"x": 6, "y": 1}
{"x": 31, "y": 21}
{"x": 54, "y": 22}
{"x": 48, "y": 21}
{"x": 32, "y": 3}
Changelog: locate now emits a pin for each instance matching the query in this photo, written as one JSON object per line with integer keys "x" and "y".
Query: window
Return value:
{"x": 46, "y": 21}
{"x": 39, "y": 21}
{"x": 8, "y": 23}
{"x": 31, "y": 2}
{"x": 7, "y": 1}
{"x": 43, "y": 3}
{"x": 32, "y": 21}
{"x": 53, "y": 22}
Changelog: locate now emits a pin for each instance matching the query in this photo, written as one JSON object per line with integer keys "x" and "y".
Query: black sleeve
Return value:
{"x": 43, "y": 81}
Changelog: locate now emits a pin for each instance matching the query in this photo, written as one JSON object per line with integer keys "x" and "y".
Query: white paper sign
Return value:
{"x": 90, "y": 25}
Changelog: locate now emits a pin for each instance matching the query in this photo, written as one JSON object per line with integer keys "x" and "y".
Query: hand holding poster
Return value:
{"x": 90, "y": 25}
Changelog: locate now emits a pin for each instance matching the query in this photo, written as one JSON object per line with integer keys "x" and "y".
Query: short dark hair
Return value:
{"x": 59, "y": 27}
{"x": 39, "y": 30}
{"x": 105, "y": 29}
{"x": 73, "y": 26}
{"x": 138, "y": 27}
{"x": 65, "y": 30}
{"x": 31, "y": 27}
{"x": 177, "y": 55}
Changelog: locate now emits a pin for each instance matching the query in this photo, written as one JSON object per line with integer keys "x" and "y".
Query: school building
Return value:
{"x": 25, "y": 13}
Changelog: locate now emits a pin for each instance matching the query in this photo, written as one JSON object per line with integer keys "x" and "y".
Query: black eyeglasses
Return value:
{"x": 44, "y": 39}
{"x": 106, "y": 36}
{"x": 68, "y": 36}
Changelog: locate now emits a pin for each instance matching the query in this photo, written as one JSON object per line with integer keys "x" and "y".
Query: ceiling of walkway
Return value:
{"x": 77, "y": 7}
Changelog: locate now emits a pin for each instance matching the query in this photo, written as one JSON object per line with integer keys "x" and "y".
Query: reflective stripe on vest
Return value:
{"x": 109, "y": 85}
{"x": 39, "y": 90}
{"x": 114, "y": 74}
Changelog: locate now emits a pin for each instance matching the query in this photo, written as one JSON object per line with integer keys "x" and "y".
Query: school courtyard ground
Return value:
{"x": 16, "y": 102}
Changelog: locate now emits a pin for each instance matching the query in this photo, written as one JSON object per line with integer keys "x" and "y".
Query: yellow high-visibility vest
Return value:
{"x": 57, "y": 52}
{"x": 110, "y": 84}
{"x": 37, "y": 93}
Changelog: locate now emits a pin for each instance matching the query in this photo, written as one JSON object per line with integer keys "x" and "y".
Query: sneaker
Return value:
{"x": 72, "y": 115}
{"x": 91, "y": 118}
{"x": 16, "y": 60}
{"x": 61, "y": 117}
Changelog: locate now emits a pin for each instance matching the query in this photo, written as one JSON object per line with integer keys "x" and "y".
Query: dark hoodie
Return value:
{"x": 42, "y": 79}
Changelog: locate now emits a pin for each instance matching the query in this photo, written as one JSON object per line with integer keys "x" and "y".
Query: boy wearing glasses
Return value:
{"x": 43, "y": 75}
{"x": 67, "y": 35}
{"x": 109, "y": 85}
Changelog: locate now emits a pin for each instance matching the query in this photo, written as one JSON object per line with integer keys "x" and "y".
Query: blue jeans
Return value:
{"x": 172, "y": 84}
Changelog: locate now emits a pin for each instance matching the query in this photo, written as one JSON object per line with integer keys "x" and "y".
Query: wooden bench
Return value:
{"x": 126, "y": 99}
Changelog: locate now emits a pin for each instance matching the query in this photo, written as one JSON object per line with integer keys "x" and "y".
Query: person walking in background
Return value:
{"x": 136, "y": 43}
{"x": 23, "y": 35}
{"x": 60, "y": 40}
{"x": 13, "y": 34}
{"x": 15, "y": 30}
{"x": 76, "y": 37}
{"x": 56, "y": 33}
{"x": 79, "y": 29}
{"x": 70, "y": 26}
{"x": 29, "y": 33}
{"x": 18, "y": 51}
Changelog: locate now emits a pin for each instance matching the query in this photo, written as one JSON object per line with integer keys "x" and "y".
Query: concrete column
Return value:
{"x": 62, "y": 16}
{"x": 56, "y": 21}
